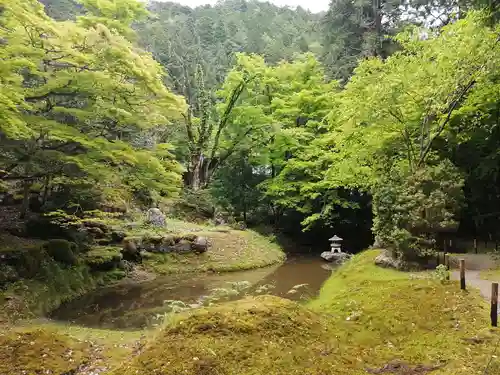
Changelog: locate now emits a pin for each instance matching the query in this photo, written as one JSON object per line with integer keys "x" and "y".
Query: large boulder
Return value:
{"x": 200, "y": 245}
{"x": 385, "y": 260}
{"x": 338, "y": 258}
{"x": 155, "y": 217}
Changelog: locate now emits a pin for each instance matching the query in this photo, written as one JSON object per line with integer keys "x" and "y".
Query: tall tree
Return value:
{"x": 81, "y": 93}
{"x": 396, "y": 117}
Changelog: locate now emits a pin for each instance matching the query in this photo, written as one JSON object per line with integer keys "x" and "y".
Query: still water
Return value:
{"x": 139, "y": 305}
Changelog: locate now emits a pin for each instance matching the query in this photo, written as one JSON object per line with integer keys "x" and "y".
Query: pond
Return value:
{"x": 139, "y": 305}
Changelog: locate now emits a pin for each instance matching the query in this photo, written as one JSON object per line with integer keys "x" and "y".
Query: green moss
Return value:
{"x": 493, "y": 275}
{"x": 229, "y": 251}
{"x": 365, "y": 318}
{"x": 264, "y": 335}
{"x": 381, "y": 315}
{"x": 40, "y": 351}
{"x": 103, "y": 258}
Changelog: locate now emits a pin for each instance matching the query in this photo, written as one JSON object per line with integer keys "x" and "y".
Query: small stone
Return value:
{"x": 155, "y": 217}
{"x": 200, "y": 244}
{"x": 184, "y": 246}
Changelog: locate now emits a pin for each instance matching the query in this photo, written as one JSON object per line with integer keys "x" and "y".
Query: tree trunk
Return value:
{"x": 377, "y": 49}
{"x": 193, "y": 180}
{"x": 26, "y": 198}
{"x": 46, "y": 189}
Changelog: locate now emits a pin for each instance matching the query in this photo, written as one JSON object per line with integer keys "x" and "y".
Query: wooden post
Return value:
{"x": 494, "y": 304}
{"x": 475, "y": 245}
{"x": 444, "y": 246}
{"x": 451, "y": 245}
{"x": 447, "y": 264}
{"x": 462, "y": 274}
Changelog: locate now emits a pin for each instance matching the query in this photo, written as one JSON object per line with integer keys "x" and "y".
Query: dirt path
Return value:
{"x": 473, "y": 279}
{"x": 474, "y": 264}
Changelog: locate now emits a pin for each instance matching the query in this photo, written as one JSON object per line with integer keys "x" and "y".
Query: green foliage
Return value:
{"x": 410, "y": 210}
{"x": 62, "y": 9}
{"x": 182, "y": 38}
{"x": 62, "y": 127}
{"x": 442, "y": 273}
{"x": 393, "y": 121}
{"x": 62, "y": 251}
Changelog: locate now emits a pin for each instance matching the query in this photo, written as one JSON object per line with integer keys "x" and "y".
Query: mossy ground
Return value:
{"x": 230, "y": 250}
{"x": 365, "y": 318}
{"x": 262, "y": 335}
{"x": 42, "y": 347}
{"x": 400, "y": 316}
{"x": 40, "y": 351}
{"x": 493, "y": 275}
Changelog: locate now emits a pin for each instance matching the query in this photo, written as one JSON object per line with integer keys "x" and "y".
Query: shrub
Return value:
{"x": 441, "y": 273}
{"x": 412, "y": 208}
{"x": 62, "y": 251}
{"x": 26, "y": 262}
{"x": 8, "y": 274}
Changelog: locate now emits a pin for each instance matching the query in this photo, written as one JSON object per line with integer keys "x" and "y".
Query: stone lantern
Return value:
{"x": 336, "y": 244}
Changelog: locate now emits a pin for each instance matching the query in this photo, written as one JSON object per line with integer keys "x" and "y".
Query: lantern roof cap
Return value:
{"x": 335, "y": 238}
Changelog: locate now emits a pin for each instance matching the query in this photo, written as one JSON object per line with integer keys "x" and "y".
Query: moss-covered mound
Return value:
{"x": 230, "y": 250}
{"x": 264, "y": 335}
{"x": 366, "y": 320}
{"x": 40, "y": 352}
{"x": 383, "y": 316}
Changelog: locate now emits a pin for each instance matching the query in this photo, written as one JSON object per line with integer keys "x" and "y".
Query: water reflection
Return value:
{"x": 133, "y": 306}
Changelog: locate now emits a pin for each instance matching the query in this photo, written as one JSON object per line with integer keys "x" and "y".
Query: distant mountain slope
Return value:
{"x": 210, "y": 35}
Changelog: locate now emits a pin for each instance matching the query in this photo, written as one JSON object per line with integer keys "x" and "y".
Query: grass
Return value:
{"x": 366, "y": 318}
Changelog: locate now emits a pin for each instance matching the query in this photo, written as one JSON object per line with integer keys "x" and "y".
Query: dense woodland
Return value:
{"x": 375, "y": 117}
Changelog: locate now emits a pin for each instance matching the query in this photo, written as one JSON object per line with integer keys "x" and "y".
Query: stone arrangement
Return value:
{"x": 180, "y": 244}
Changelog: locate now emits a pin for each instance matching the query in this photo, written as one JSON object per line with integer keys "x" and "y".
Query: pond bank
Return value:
{"x": 53, "y": 283}
{"x": 365, "y": 320}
